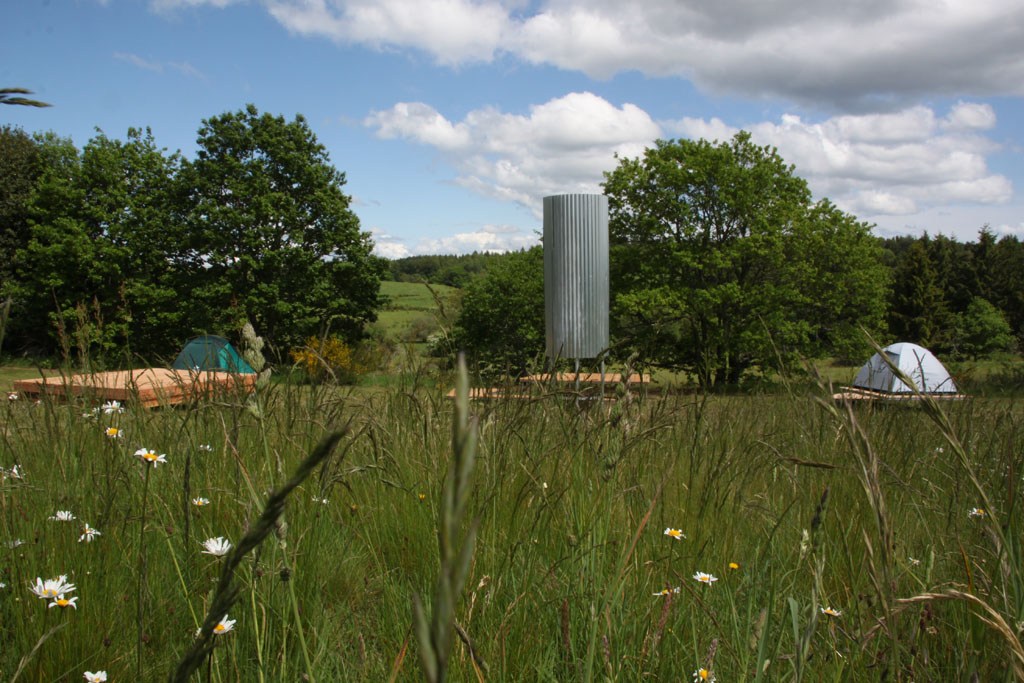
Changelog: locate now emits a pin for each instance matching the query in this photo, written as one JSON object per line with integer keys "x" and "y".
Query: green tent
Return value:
{"x": 210, "y": 352}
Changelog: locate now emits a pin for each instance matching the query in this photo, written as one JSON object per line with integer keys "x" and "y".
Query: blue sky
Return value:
{"x": 453, "y": 118}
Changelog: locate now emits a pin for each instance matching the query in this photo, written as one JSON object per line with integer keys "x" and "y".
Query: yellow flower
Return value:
{"x": 423, "y": 496}
{"x": 675, "y": 533}
{"x": 733, "y": 565}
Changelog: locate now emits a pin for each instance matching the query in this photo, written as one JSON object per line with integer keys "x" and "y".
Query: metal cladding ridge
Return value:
{"x": 576, "y": 275}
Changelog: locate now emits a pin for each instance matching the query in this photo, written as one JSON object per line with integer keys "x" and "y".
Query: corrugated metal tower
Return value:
{"x": 576, "y": 275}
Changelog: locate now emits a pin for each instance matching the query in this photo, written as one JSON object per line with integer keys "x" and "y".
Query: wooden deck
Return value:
{"x": 149, "y": 386}
{"x": 590, "y": 383}
{"x": 859, "y": 394}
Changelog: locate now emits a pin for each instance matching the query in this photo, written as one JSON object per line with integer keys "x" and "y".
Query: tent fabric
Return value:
{"x": 211, "y": 352}
{"x": 916, "y": 362}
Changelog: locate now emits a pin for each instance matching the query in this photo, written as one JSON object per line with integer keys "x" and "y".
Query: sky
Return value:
{"x": 452, "y": 119}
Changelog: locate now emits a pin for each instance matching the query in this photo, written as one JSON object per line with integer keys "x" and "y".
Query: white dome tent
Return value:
{"x": 925, "y": 372}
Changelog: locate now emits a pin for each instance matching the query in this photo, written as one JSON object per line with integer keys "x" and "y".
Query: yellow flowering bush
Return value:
{"x": 318, "y": 355}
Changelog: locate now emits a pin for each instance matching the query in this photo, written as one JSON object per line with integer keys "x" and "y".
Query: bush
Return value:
{"x": 328, "y": 356}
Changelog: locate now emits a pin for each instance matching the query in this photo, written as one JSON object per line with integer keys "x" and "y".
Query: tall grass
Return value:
{"x": 566, "y": 577}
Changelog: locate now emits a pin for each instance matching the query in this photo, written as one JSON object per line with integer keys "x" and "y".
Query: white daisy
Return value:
{"x": 63, "y": 516}
{"x": 51, "y": 588}
{"x": 62, "y": 602}
{"x": 98, "y": 677}
{"x": 224, "y": 625}
{"x": 112, "y": 407}
{"x": 675, "y": 533}
{"x": 88, "y": 534}
{"x": 13, "y": 396}
{"x": 200, "y": 502}
{"x": 217, "y": 546}
{"x": 205, "y": 447}
{"x": 705, "y": 578}
{"x": 150, "y": 457}
{"x": 666, "y": 591}
{"x": 831, "y": 612}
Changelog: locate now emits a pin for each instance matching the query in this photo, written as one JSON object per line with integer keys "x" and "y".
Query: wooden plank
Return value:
{"x": 588, "y": 378}
{"x": 148, "y": 386}
{"x": 860, "y": 394}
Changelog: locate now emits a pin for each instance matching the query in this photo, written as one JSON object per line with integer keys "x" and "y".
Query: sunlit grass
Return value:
{"x": 571, "y": 557}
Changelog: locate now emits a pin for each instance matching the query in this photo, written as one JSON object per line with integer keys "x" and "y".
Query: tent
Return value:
{"x": 916, "y": 362}
{"x": 210, "y": 352}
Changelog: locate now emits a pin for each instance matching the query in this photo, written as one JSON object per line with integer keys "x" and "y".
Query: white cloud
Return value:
{"x": 486, "y": 239}
{"x": 138, "y": 61}
{"x": 882, "y": 164}
{"x": 1011, "y": 230}
{"x": 563, "y": 145}
{"x": 854, "y": 55}
{"x": 388, "y": 246}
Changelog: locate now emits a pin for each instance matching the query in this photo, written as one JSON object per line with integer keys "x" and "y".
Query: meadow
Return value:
{"x": 771, "y": 537}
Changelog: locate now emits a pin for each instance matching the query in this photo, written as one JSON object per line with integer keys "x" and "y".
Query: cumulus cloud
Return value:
{"x": 489, "y": 238}
{"x": 561, "y": 146}
{"x": 856, "y": 56}
{"x": 882, "y": 164}
{"x": 870, "y": 164}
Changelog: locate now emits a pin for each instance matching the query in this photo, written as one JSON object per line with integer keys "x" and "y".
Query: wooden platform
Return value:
{"x": 859, "y": 394}
{"x": 149, "y": 386}
{"x": 588, "y": 378}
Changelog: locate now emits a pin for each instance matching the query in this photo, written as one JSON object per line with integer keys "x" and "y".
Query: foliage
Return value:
{"x": 331, "y": 355}
{"x": 501, "y": 324}
{"x": 10, "y": 96}
{"x": 19, "y": 168}
{"x": 984, "y": 329}
{"x": 105, "y": 235}
{"x": 719, "y": 260}
{"x": 453, "y": 270}
{"x": 272, "y": 237}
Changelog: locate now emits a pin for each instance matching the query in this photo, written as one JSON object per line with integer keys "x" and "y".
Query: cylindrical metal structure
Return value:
{"x": 576, "y": 275}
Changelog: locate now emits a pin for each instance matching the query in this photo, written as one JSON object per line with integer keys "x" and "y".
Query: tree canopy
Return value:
{"x": 721, "y": 262}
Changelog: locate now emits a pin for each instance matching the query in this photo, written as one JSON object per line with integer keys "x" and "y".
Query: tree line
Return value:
{"x": 123, "y": 249}
{"x": 722, "y": 265}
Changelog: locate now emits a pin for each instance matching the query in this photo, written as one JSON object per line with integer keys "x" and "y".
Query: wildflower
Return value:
{"x": 831, "y": 612}
{"x": 200, "y": 502}
{"x": 3, "y": 585}
{"x": 15, "y": 543}
{"x": 976, "y": 512}
{"x": 675, "y": 533}
{"x": 13, "y": 396}
{"x": 88, "y": 534}
{"x": 62, "y": 516}
{"x": 113, "y": 432}
{"x": 422, "y": 496}
{"x": 352, "y": 508}
{"x": 705, "y": 578}
{"x": 224, "y": 625}
{"x": 51, "y": 588}
{"x": 217, "y": 546}
{"x": 733, "y": 565}
{"x": 701, "y": 675}
{"x": 666, "y": 591}
{"x": 98, "y": 677}
{"x": 112, "y": 407}
{"x": 205, "y": 447}
{"x": 322, "y": 501}
{"x": 63, "y": 602}
{"x": 150, "y": 457}
{"x": 913, "y": 562}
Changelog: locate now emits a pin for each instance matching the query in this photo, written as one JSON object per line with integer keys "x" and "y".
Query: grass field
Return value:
{"x": 791, "y": 508}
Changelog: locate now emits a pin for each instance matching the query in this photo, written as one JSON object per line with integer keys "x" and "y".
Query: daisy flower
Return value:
{"x": 15, "y": 543}
{"x": 112, "y": 407}
{"x": 13, "y": 473}
{"x": 98, "y": 677}
{"x": 205, "y": 447}
{"x": 62, "y": 516}
{"x": 217, "y": 546}
{"x": 150, "y": 457}
{"x": 88, "y": 534}
{"x": 705, "y": 578}
{"x": 62, "y": 602}
{"x": 113, "y": 432}
{"x": 913, "y": 562}
{"x": 200, "y": 502}
{"x": 831, "y": 612}
{"x": 701, "y": 675}
{"x": 322, "y": 501}
{"x": 666, "y": 591}
{"x": 675, "y": 533}
{"x": 976, "y": 512}
{"x": 224, "y": 625}
{"x": 13, "y": 396}
{"x": 51, "y": 588}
